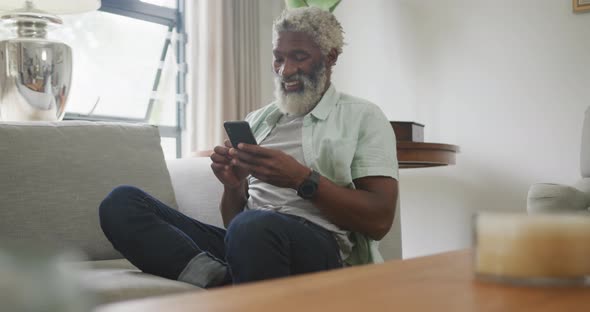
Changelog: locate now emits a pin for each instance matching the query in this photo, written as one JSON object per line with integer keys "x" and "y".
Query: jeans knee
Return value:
{"x": 118, "y": 204}
{"x": 253, "y": 226}
{"x": 257, "y": 246}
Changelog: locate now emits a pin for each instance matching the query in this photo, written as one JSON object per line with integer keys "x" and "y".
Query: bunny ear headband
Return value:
{"x": 328, "y": 5}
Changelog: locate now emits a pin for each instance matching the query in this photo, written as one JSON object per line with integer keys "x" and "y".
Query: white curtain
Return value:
{"x": 224, "y": 76}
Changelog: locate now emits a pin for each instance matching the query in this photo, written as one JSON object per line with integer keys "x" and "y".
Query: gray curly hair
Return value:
{"x": 322, "y": 26}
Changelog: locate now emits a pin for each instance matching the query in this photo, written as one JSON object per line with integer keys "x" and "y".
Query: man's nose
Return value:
{"x": 288, "y": 69}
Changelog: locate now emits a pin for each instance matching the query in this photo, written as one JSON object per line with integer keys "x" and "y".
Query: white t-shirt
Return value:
{"x": 286, "y": 136}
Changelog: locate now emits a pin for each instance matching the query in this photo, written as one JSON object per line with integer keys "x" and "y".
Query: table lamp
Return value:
{"x": 35, "y": 72}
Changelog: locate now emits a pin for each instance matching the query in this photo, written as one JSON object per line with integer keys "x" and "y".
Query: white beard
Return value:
{"x": 301, "y": 102}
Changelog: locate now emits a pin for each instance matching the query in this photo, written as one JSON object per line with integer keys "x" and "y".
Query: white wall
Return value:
{"x": 506, "y": 80}
{"x": 375, "y": 64}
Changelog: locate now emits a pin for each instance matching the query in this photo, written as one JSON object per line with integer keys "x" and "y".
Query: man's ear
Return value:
{"x": 332, "y": 57}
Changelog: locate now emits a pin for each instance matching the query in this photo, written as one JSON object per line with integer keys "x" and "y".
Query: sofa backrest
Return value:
{"x": 585, "y": 151}
{"x": 53, "y": 177}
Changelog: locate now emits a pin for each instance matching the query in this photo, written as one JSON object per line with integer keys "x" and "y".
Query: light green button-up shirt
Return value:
{"x": 344, "y": 138}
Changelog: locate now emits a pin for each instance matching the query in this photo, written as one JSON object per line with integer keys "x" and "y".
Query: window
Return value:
{"x": 126, "y": 67}
{"x": 166, "y": 3}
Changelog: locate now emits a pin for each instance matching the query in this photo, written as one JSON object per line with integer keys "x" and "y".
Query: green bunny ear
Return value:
{"x": 328, "y": 5}
{"x": 293, "y": 4}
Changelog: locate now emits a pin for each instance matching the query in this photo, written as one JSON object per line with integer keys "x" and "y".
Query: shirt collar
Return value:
{"x": 325, "y": 105}
{"x": 273, "y": 117}
{"x": 320, "y": 111}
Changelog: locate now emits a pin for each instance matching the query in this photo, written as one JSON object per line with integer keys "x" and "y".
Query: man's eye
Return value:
{"x": 278, "y": 59}
{"x": 300, "y": 57}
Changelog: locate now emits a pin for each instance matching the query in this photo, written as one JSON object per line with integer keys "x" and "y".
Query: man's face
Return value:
{"x": 300, "y": 72}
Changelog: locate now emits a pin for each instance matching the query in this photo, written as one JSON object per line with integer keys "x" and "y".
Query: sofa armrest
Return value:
{"x": 547, "y": 197}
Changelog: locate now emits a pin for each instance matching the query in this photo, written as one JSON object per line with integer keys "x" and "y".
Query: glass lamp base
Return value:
{"x": 35, "y": 79}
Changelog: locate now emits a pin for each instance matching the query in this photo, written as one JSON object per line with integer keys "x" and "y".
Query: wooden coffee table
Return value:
{"x": 441, "y": 282}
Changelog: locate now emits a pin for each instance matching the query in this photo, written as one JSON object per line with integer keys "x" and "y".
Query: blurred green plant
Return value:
{"x": 328, "y": 5}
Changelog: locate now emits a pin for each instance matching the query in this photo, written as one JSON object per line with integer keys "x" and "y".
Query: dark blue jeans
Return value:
{"x": 257, "y": 244}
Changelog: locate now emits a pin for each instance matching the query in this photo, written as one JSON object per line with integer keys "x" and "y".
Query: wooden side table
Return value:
{"x": 409, "y": 154}
{"x": 422, "y": 155}
{"x": 413, "y": 152}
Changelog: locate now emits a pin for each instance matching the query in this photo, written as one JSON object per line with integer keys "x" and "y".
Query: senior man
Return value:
{"x": 315, "y": 194}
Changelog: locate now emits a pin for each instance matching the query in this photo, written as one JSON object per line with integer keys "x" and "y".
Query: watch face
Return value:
{"x": 307, "y": 189}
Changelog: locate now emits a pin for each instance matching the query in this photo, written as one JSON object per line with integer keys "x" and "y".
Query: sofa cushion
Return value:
{"x": 109, "y": 281}
{"x": 54, "y": 176}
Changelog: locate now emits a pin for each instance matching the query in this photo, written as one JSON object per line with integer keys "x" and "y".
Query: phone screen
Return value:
{"x": 239, "y": 132}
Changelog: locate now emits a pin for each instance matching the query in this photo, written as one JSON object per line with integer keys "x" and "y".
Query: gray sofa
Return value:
{"x": 555, "y": 198}
{"x": 54, "y": 175}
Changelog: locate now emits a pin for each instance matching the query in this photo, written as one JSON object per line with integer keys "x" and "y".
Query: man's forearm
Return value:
{"x": 369, "y": 209}
{"x": 233, "y": 201}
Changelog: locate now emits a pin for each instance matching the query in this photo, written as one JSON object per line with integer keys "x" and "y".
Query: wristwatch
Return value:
{"x": 309, "y": 187}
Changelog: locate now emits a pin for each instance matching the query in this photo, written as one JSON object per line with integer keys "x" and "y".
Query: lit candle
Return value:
{"x": 520, "y": 246}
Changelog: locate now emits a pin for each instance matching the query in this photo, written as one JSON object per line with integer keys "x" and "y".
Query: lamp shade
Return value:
{"x": 53, "y": 6}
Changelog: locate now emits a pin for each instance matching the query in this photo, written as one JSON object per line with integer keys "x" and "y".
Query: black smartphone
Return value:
{"x": 239, "y": 132}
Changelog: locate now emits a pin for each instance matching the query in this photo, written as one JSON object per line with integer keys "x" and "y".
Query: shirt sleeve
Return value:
{"x": 375, "y": 153}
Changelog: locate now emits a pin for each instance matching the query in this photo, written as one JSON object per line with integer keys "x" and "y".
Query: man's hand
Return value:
{"x": 230, "y": 176}
{"x": 269, "y": 165}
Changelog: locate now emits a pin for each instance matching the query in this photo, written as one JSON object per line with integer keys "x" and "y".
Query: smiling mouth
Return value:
{"x": 292, "y": 86}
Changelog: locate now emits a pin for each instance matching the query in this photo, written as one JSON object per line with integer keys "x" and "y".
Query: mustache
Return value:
{"x": 293, "y": 78}
{"x": 313, "y": 76}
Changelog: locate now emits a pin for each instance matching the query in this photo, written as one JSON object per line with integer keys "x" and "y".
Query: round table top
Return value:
{"x": 410, "y": 154}
{"x": 423, "y": 154}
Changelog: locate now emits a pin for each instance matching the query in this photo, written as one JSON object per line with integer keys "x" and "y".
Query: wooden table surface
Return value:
{"x": 442, "y": 282}
{"x": 409, "y": 154}
{"x": 422, "y": 155}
